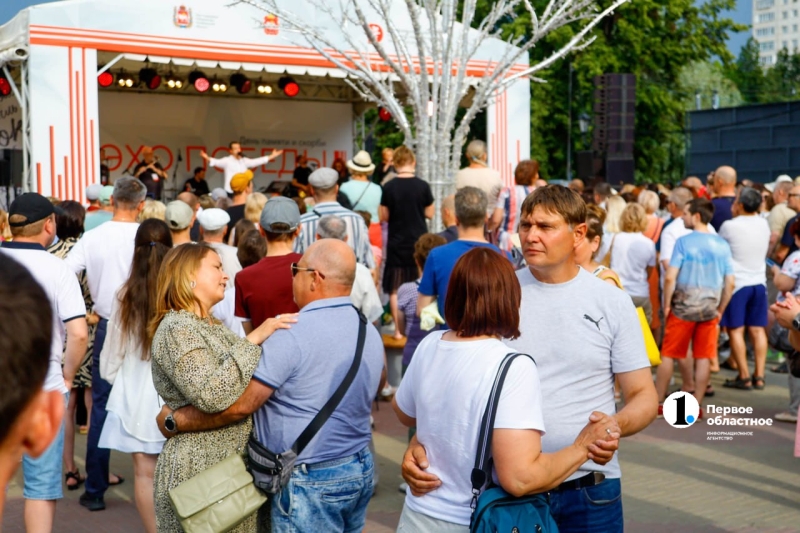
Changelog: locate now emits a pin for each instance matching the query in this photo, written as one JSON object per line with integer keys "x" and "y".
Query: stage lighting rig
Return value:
{"x": 241, "y": 82}
{"x": 150, "y": 78}
{"x": 124, "y": 80}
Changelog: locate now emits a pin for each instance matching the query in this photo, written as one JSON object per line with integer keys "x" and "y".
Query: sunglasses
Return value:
{"x": 296, "y": 269}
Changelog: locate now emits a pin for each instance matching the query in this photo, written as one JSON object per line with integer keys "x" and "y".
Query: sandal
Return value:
{"x": 120, "y": 480}
{"x": 710, "y": 392}
{"x": 738, "y": 383}
{"x": 75, "y": 476}
{"x": 758, "y": 383}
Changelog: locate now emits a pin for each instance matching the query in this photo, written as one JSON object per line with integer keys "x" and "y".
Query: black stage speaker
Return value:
{"x": 11, "y": 168}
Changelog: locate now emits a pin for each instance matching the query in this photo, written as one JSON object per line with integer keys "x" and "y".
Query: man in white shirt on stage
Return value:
{"x": 236, "y": 163}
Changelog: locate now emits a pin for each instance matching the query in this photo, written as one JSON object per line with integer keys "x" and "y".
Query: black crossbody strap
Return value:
{"x": 327, "y": 410}
{"x": 362, "y": 195}
{"x": 481, "y": 472}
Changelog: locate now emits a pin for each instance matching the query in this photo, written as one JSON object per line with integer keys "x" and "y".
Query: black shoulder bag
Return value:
{"x": 271, "y": 471}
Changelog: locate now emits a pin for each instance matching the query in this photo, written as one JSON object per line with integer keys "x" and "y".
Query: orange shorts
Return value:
{"x": 679, "y": 333}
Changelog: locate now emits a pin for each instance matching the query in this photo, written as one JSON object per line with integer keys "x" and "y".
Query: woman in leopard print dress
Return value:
{"x": 198, "y": 361}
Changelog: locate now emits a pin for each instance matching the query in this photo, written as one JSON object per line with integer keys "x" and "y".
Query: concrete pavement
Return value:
{"x": 673, "y": 479}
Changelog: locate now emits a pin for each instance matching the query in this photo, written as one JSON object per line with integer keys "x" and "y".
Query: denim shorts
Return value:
{"x": 329, "y": 496}
{"x": 42, "y": 476}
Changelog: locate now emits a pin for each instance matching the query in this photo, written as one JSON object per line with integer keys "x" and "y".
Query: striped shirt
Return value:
{"x": 357, "y": 232}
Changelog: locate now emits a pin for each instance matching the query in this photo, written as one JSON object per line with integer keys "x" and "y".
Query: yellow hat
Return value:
{"x": 240, "y": 181}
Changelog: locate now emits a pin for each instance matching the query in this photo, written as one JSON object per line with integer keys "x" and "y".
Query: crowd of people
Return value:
{"x": 223, "y": 321}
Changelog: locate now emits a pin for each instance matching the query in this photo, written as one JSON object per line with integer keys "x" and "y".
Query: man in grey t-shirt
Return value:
{"x": 582, "y": 333}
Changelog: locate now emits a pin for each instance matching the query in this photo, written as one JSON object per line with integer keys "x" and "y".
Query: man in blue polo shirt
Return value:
{"x": 33, "y": 224}
{"x": 299, "y": 371}
{"x": 471, "y": 204}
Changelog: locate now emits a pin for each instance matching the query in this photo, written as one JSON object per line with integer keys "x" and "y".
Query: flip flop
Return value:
{"x": 120, "y": 481}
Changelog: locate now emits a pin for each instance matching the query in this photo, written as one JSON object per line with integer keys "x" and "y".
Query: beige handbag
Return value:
{"x": 217, "y": 499}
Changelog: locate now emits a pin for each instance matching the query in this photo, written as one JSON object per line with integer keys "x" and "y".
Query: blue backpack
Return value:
{"x": 494, "y": 510}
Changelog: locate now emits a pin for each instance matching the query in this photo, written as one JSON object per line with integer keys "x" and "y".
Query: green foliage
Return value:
{"x": 758, "y": 85}
{"x": 653, "y": 39}
{"x": 706, "y": 78}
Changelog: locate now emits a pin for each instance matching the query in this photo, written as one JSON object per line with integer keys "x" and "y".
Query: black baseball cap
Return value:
{"x": 33, "y": 206}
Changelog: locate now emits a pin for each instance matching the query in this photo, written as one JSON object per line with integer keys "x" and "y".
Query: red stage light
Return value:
{"x": 241, "y": 82}
{"x": 289, "y": 87}
{"x": 106, "y": 79}
{"x": 5, "y": 87}
{"x": 150, "y": 77}
{"x": 200, "y": 81}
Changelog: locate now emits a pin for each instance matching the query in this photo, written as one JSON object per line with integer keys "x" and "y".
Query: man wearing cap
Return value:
{"x": 242, "y": 186}
{"x": 256, "y": 301}
{"x": 235, "y": 163}
{"x": 104, "y": 213}
{"x": 93, "y": 196}
{"x": 106, "y": 253}
{"x": 781, "y": 213}
{"x": 179, "y": 217}
{"x": 213, "y": 227}
{"x": 324, "y": 188}
{"x": 33, "y": 224}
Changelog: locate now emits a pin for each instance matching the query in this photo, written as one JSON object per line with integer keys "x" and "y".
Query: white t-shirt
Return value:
{"x": 64, "y": 292}
{"x": 230, "y": 261}
{"x": 580, "y": 333}
{"x": 631, "y": 254}
{"x": 106, "y": 253}
{"x": 365, "y": 295}
{"x": 486, "y": 179}
{"x": 748, "y": 237}
{"x": 446, "y": 388}
{"x": 225, "y": 312}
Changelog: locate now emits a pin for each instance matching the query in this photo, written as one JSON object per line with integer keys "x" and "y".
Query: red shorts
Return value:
{"x": 679, "y": 333}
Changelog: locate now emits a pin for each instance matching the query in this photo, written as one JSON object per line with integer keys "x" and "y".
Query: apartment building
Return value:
{"x": 776, "y": 25}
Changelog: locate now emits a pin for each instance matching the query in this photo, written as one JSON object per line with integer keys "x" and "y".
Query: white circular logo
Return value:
{"x": 681, "y": 409}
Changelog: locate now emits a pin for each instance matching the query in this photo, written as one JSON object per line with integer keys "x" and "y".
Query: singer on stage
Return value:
{"x": 235, "y": 163}
{"x": 151, "y": 173}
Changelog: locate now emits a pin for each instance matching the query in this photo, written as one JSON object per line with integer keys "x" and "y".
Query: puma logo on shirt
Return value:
{"x": 593, "y": 321}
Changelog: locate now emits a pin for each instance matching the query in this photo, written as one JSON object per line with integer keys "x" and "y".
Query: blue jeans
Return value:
{"x": 329, "y": 496}
{"x": 97, "y": 458}
{"x": 595, "y": 509}
{"x": 42, "y": 476}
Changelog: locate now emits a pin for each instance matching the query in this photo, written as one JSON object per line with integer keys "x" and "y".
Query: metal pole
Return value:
{"x": 569, "y": 127}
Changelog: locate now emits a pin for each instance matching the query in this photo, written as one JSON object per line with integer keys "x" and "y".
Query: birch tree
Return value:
{"x": 424, "y": 56}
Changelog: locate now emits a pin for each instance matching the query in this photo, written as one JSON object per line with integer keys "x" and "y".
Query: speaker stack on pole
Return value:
{"x": 614, "y": 119}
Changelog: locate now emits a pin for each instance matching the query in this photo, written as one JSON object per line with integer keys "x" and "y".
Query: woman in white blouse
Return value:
{"x": 133, "y": 404}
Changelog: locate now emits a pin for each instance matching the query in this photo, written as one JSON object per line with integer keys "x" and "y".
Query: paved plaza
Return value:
{"x": 673, "y": 479}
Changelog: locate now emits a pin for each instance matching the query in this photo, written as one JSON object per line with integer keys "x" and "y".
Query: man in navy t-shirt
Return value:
{"x": 471, "y": 204}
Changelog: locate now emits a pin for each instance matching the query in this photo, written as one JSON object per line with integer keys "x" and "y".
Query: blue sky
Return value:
{"x": 743, "y": 14}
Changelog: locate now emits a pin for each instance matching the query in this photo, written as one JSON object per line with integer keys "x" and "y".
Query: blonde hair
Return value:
{"x": 153, "y": 209}
{"x": 649, "y": 200}
{"x": 633, "y": 219}
{"x": 5, "y": 229}
{"x": 174, "y": 289}
{"x": 403, "y": 156}
{"x": 476, "y": 150}
{"x": 614, "y": 207}
{"x": 253, "y": 206}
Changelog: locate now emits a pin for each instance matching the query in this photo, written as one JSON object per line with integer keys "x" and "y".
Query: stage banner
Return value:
{"x": 180, "y": 127}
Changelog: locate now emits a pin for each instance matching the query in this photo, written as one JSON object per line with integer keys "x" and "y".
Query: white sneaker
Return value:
{"x": 786, "y": 416}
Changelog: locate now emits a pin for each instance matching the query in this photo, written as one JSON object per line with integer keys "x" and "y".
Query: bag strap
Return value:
{"x": 481, "y": 472}
{"x": 327, "y": 410}
{"x": 362, "y": 195}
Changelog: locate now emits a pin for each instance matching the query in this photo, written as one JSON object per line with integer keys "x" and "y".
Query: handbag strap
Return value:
{"x": 327, "y": 410}
{"x": 481, "y": 472}
{"x": 362, "y": 195}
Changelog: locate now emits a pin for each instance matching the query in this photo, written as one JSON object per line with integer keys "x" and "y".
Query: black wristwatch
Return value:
{"x": 796, "y": 322}
{"x": 170, "y": 425}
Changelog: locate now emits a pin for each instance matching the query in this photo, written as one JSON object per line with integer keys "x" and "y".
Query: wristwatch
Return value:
{"x": 796, "y": 322}
{"x": 170, "y": 425}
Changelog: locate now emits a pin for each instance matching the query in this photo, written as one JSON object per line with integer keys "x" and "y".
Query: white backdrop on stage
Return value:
{"x": 187, "y": 125}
